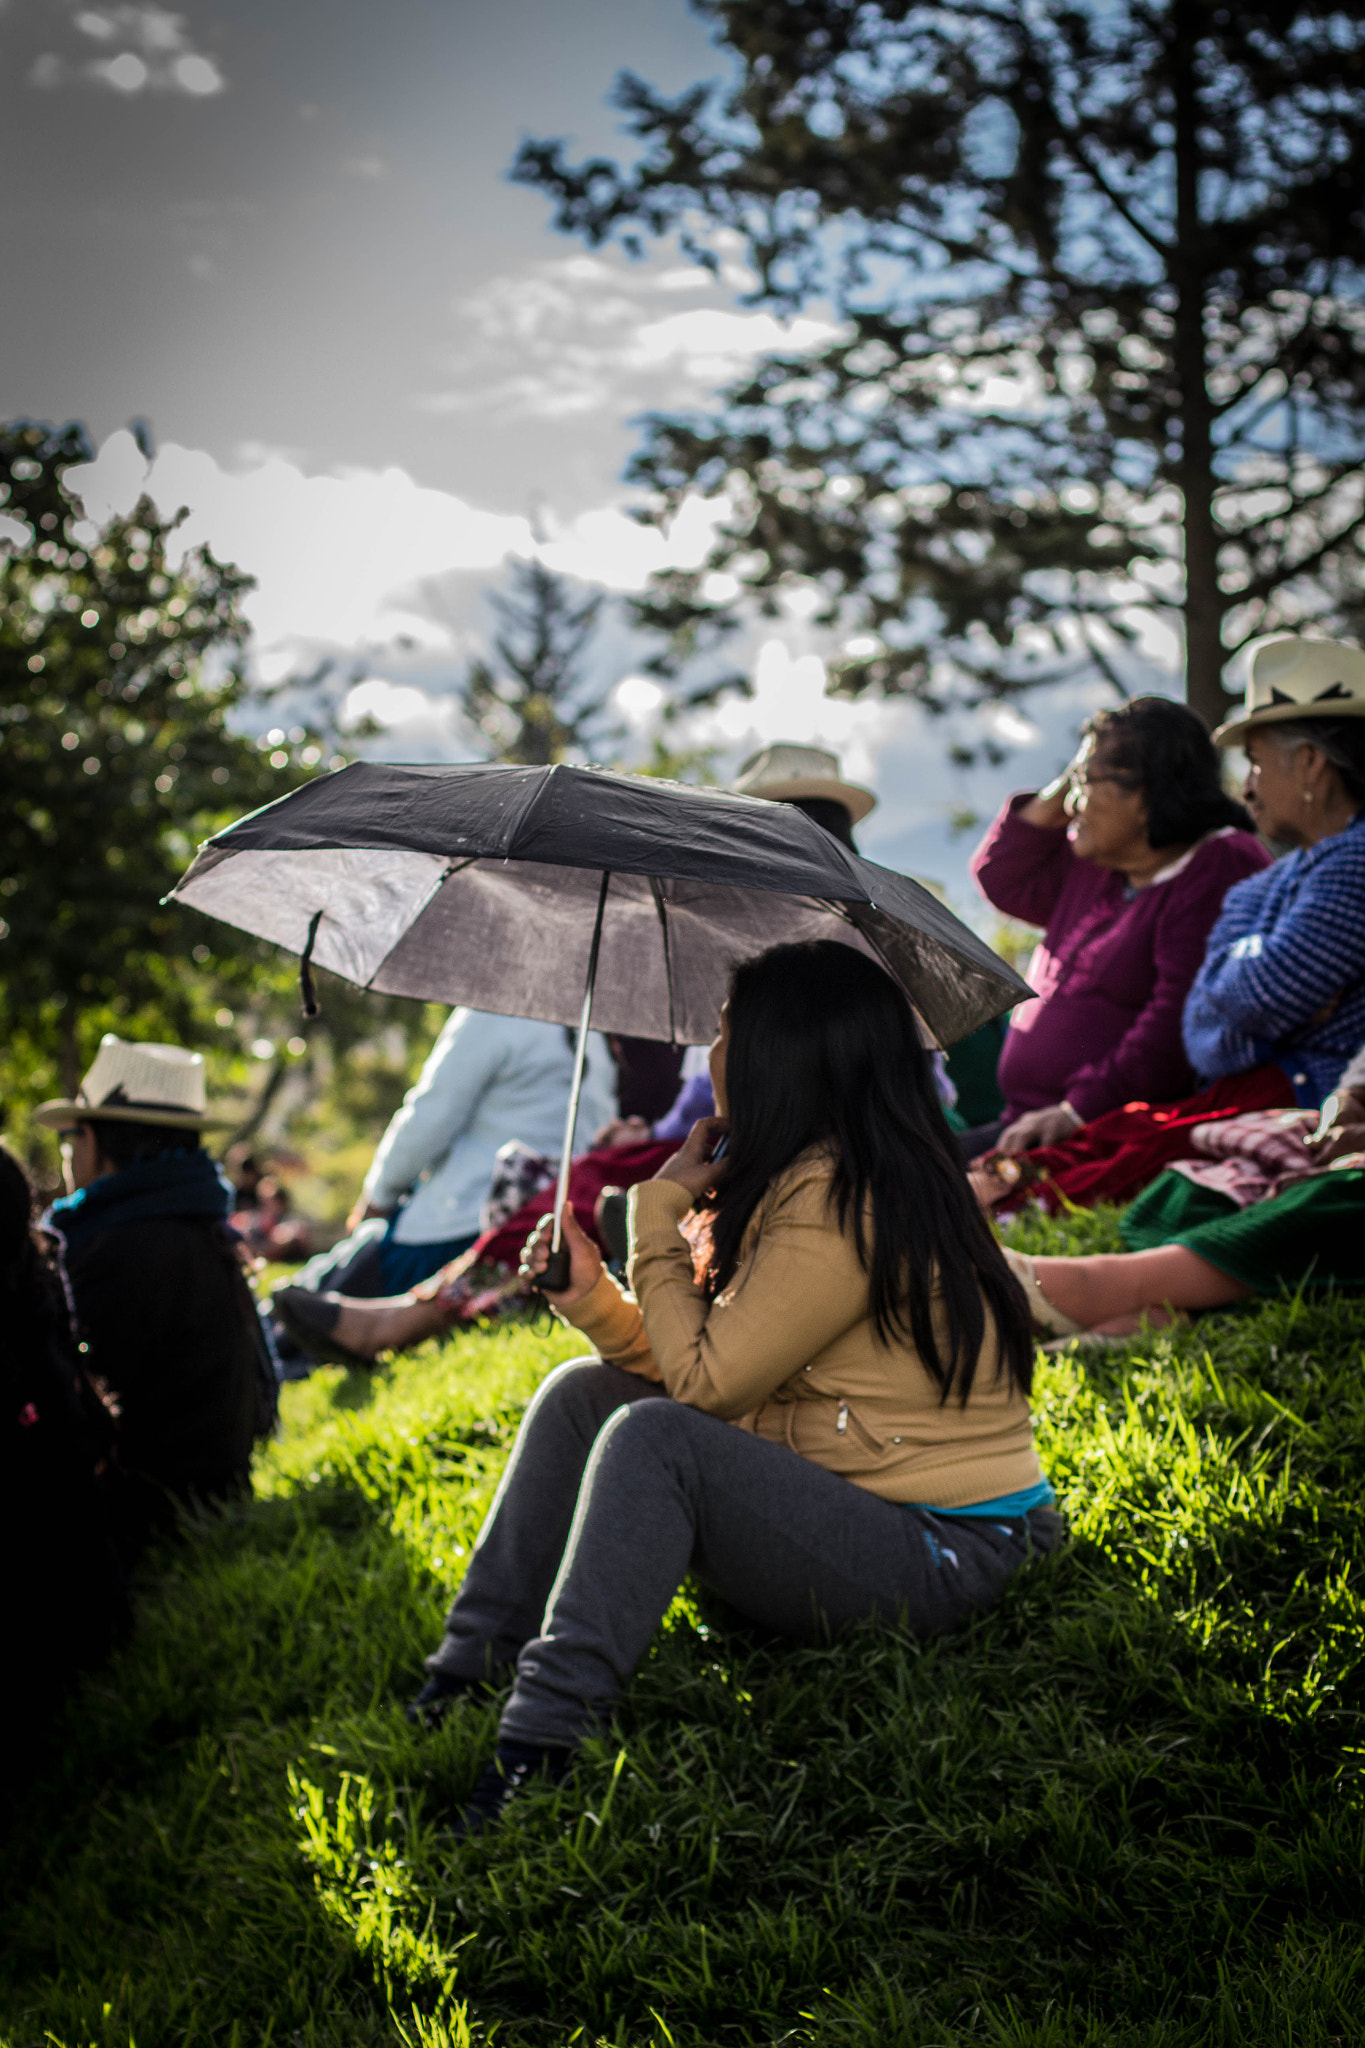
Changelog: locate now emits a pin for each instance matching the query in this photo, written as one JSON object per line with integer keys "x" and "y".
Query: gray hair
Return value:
{"x": 1342, "y": 740}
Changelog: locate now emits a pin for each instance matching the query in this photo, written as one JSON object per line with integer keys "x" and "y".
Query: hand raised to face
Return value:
{"x": 693, "y": 1166}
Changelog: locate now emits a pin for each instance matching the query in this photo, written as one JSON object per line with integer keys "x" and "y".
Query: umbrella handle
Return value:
{"x": 555, "y": 1278}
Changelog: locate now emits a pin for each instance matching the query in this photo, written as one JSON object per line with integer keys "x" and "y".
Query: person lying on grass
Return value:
{"x": 828, "y": 1422}
{"x": 1281, "y": 1203}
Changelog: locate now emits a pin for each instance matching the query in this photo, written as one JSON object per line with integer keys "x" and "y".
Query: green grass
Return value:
{"x": 1125, "y": 1808}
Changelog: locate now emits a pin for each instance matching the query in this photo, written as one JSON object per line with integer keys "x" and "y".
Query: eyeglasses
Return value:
{"x": 1084, "y": 779}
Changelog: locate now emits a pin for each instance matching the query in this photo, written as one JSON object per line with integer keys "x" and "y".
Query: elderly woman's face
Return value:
{"x": 1274, "y": 791}
{"x": 1108, "y": 813}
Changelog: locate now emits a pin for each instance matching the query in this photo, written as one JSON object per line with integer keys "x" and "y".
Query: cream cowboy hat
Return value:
{"x": 1293, "y": 679}
{"x": 785, "y": 770}
{"x": 137, "y": 1084}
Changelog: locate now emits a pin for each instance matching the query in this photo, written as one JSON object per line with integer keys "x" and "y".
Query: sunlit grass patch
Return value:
{"x": 1125, "y": 1808}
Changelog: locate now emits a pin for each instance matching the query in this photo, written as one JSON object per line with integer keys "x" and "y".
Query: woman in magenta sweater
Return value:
{"x": 1124, "y": 860}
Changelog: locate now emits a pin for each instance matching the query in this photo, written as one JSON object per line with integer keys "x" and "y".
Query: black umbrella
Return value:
{"x": 574, "y": 894}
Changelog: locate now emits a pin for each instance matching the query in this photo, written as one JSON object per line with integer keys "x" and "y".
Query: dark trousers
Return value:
{"x": 614, "y": 1491}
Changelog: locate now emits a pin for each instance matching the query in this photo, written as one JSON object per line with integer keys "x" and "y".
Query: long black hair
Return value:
{"x": 1164, "y": 749}
{"x": 824, "y": 1050}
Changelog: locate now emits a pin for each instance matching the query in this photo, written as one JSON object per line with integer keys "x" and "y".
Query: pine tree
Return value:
{"x": 532, "y": 702}
{"x": 1100, "y": 369}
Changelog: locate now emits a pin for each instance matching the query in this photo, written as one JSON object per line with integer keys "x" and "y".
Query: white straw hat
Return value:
{"x": 1292, "y": 679}
{"x": 785, "y": 770}
{"x": 137, "y": 1084}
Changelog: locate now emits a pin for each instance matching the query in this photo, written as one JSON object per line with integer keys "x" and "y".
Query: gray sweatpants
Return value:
{"x": 613, "y": 1491}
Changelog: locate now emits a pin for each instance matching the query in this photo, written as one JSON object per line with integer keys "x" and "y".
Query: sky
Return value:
{"x": 283, "y": 237}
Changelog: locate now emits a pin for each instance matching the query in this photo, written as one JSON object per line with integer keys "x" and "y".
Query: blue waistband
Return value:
{"x": 1007, "y": 1507}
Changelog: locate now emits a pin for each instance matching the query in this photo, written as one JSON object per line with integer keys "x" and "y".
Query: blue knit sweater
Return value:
{"x": 1284, "y": 975}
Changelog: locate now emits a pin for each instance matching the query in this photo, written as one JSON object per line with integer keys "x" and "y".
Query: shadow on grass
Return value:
{"x": 356, "y": 1390}
{"x": 153, "y": 1886}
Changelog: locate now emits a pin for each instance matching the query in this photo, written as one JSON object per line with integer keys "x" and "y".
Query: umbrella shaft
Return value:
{"x": 580, "y": 1055}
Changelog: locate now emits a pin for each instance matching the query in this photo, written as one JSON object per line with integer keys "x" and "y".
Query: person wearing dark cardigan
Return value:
{"x": 1125, "y": 861}
{"x": 160, "y": 1294}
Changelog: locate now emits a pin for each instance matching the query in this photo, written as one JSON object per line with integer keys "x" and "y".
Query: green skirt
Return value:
{"x": 1313, "y": 1235}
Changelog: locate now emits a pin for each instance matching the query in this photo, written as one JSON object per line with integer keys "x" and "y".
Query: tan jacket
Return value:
{"x": 789, "y": 1351}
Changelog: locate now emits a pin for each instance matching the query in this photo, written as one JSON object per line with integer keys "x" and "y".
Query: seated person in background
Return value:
{"x": 486, "y": 1080}
{"x": 1278, "y": 1004}
{"x": 158, "y": 1285}
{"x": 1127, "y": 893}
{"x": 260, "y": 1214}
{"x": 1284, "y": 1207}
{"x": 694, "y": 1099}
{"x": 829, "y": 1423}
{"x": 647, "y": 1074}
{"x": 64, "y": 1593}
{"x": 811, "y": 780}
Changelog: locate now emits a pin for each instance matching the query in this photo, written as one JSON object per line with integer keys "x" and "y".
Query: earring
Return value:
{"x": 1308, "y": 796}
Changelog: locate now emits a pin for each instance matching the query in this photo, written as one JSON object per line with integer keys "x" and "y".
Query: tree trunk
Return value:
{"x": 71, "y": 1065}
{"x": 1204, "y": 604}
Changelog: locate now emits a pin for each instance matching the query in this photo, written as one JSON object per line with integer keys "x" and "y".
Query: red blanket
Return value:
{"x": 1116, "y": 1156}
{"x": 588, "y": 1175}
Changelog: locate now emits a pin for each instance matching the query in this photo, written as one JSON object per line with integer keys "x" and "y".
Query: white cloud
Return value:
{"x": 348, "y": 562}
{"x": 197, "y": 75}
{"x": 610, "y": 547}
{"x": 417, "y": 726}
{"x": 125, "y": 73}
{"x": 330, "y": 553}
{"x": 688, "y": 277}
{"x": 149, "y": 50}
{"x": 1013, "y": 728}
{"x": 585, "y": 336}
{"x": 713, "y": 335}
{"x": 639, "y": 700}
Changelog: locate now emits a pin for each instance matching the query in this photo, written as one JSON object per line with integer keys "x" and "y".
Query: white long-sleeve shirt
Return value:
{"x": 487, "y": 1080}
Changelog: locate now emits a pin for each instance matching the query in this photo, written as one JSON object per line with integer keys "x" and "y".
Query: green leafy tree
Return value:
{"x": 119, "y": 679}
{"x": 533, "y": 702}
{"x": 1096, "y": 275}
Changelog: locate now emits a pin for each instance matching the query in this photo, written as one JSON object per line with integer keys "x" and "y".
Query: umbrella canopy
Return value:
{"x": 479, "y": 884}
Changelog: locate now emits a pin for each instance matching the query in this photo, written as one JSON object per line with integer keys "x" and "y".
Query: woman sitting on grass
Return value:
{"x": 1276, "y": 1201}
{"x": 1279, "y": 1002}
{"x": 829, "y": 1425}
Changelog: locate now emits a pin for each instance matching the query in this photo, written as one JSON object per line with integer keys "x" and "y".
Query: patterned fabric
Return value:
{"x": 518, "y": 1173}
{"x": 1284, "y": 975}
{"x": 1110, "y": 1159}
{"x": 1253, "y": 1158}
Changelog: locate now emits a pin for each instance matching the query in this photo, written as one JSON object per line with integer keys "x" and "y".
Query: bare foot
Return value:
{"x": 394, "y": 1323}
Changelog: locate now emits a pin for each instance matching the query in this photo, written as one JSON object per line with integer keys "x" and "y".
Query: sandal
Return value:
{"x": 1046, "y": 1315}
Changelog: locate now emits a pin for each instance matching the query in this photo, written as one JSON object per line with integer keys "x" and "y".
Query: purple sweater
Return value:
{"x": 1113, "y": 967}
